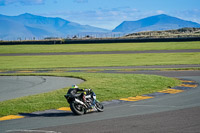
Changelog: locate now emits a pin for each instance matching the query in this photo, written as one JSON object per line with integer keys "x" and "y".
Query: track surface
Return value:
{"x": 141, "y": 67}
{"x": 179, "y": 121}
{"x": 168, "y": 113}
{"x": 18, "y": 86}
{"x": 162, "y": 73}
{"x": 104, "y": 52}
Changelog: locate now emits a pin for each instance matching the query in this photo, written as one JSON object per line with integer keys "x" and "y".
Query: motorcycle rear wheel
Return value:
{"x": 77, "y": 108}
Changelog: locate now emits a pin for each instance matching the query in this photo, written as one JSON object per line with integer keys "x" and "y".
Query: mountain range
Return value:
{"x": 29, "y": 26}
{"x": 154, "y": 23}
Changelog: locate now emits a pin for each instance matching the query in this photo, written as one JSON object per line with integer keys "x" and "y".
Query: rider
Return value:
{"x": 75, "y": 87}
{"x": 86, "y": 92}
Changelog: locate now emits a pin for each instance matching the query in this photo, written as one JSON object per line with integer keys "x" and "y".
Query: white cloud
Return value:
{"x": 160, "y": 12}
{"x": 81, "y": 1}
{"x": 23, "y": 2}
{"x": 103, "y": 18}
{"x": 110, "y": 18}
{"x": 191, "y": 15}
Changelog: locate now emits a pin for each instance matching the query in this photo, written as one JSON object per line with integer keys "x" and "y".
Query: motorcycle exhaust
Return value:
{"x": 78, "y": 101}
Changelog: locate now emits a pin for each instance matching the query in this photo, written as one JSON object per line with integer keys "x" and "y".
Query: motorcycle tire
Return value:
{"x": 77, "y": 109}
{"x": 99, "y": 107}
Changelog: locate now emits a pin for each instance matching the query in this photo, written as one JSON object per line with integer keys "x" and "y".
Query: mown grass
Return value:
{"x": 63, "y": 61}
{"x": 106, "y": 86}
{"x": 98, "y": 47}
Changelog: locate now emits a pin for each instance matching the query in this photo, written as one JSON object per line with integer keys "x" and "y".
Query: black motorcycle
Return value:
{"x": 83, "y": 102}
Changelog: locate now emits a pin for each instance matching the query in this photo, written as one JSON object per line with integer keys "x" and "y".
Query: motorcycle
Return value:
{"x": 83, "y": 102}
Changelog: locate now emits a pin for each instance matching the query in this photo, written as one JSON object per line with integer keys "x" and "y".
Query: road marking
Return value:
{"x": 188, "y": 85}
{"x": 137, "y": 98}
{"x": 57, "y": 71}
{"x": 91, "y": 71}
{"x": 32, "y": 131}
{"x": 65, "y": 108}
{"x": 188, "y": 81}
{"x": 25, "y": 71}
{"x": 10, "y": 117}
{"x": 171, "y": 91}
{"x": 162, "y": 106}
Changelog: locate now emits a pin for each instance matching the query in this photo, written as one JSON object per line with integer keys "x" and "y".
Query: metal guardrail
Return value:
{"x": 100, "y": 40}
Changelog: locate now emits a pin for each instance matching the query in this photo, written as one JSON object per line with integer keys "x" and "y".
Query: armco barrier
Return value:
{"x": 116, "y": 40}
{"x": 99, "y": 40}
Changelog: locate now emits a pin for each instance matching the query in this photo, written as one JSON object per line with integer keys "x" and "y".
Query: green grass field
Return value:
{"x": 62, "y": 61}
{"x": 98, "y": 47}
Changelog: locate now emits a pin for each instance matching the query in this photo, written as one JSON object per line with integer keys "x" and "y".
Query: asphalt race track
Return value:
{"x": 18, "y": 86}
{"x": 104, "y": 52}
{"x": 177, "y": 113}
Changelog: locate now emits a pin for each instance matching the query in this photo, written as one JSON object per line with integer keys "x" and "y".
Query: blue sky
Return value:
{"x": 103, "y": 13}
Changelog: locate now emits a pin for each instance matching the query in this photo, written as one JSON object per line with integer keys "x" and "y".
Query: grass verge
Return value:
{"x": 106, "y": 86}
{"x": 61, "y": 61}
{"x": 6, "y": 49}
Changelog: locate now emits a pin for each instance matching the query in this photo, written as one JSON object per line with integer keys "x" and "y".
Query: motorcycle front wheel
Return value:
{"x": 77, "y": 108}
{"x": 99, "y": 106}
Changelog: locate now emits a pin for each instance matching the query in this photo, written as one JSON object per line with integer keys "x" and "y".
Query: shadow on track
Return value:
{"x": 50, "y": 114}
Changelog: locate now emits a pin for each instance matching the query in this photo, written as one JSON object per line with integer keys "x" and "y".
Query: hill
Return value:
{"x": 26, "y": 26}
{"x": 154, "y": 23}
{"x": 179, "y": 33}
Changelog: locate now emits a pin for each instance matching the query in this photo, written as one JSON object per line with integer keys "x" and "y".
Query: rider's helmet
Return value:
{"x": 74, "y": 86}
